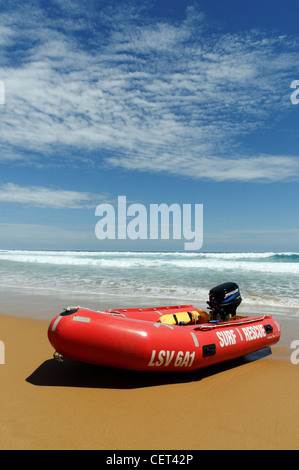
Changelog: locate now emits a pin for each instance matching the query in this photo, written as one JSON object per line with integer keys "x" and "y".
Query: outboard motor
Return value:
{"x": 224, "y": 300}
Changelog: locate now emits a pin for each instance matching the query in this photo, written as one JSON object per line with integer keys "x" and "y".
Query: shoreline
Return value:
{"x": 249, "y": 403}
{"x": 45, "y": 304}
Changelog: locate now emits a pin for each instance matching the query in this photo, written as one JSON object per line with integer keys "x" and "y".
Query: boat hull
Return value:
{"x": 134, "y": 339}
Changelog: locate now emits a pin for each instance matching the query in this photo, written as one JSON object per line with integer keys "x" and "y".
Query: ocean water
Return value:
{"x": 270, "y": 279}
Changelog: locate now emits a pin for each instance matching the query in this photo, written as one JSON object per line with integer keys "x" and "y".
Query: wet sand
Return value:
{"x": 249, "y": 403}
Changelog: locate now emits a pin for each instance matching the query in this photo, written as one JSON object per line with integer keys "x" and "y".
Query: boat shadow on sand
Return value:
{"x": 76, "y": 374}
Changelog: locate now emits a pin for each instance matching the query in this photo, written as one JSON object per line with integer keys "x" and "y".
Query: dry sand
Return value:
{"x": 244, "y": 404}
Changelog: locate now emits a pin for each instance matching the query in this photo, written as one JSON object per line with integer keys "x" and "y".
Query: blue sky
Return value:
{"x": 161, "y": 101}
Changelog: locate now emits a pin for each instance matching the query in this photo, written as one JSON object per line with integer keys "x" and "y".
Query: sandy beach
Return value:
{"x": 249, "y": 403}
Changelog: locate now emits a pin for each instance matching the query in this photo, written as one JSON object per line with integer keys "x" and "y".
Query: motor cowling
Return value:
{"x": 224, "y": 300}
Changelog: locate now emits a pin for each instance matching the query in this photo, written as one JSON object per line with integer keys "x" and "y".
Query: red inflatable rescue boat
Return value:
{"x": 177, "y": 338}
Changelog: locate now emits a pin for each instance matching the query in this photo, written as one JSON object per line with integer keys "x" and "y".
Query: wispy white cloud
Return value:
{"x": 146, "y": 94}
{"x": 38, "y": 196}
{"x": 263, "y": 168}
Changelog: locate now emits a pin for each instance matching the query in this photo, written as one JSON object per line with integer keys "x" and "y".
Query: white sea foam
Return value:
{"x": 264, "y": 278}
{"x": 258, "y": 262}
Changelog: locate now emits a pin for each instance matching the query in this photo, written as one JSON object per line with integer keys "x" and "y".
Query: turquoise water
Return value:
{"x": 263, "y": 278}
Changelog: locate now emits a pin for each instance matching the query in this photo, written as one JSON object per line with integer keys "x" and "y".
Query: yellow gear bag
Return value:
{"x": 188, "y": 318}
